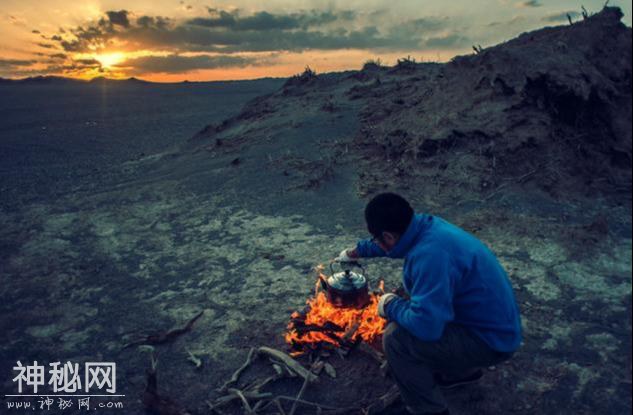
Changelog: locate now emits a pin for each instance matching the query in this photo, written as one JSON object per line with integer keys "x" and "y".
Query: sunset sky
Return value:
{"x": 173, "y": 40}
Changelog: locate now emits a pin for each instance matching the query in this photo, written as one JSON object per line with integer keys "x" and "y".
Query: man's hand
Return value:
{"x": 382, "y": 303}
{"x": 347, "y": 255}
{"x": 401, "y": 292}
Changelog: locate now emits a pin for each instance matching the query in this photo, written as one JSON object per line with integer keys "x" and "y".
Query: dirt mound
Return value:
{"x": 551, "y": 106}
{"x": 549, "y": 111}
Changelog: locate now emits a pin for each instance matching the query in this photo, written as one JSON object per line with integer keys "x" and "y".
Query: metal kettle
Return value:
{"x": 346, "y": 289}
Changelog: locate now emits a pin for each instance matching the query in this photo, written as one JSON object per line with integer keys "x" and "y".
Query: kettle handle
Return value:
{"x": 323, "y": 282}
{"x": 351, "y": 264}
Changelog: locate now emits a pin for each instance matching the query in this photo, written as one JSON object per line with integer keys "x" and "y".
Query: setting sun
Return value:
{"x": 108, "y": 60}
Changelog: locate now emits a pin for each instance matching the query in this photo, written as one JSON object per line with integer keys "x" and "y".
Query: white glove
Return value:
{"x": 382, "y": 303}
{"x": 343, "y": 257}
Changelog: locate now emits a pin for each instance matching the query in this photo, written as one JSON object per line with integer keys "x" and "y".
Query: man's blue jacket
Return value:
{"x": 450, "y": 276}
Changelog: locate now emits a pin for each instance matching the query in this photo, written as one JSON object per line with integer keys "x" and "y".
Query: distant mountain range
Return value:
{"x": 60, "y": 80}
{"x": 63, "y": 80}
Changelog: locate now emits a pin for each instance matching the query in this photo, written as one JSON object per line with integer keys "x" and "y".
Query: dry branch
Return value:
{"x": 161, "y": 338}
{"x": 330, "y": 409}
{"x": 153, "y": 401}
{"x": 236, "y": 375}
{"x": 257, "y": 386}
{"x": 288, "y": 361}
{"x": 383, "y": 402}
{"x": 240, "y": 395}
{"x": 299, "y": 396}
{"x": 373, "y": 353}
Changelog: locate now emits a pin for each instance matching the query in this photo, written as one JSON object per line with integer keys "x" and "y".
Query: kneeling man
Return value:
{"x": 457, "y": 313}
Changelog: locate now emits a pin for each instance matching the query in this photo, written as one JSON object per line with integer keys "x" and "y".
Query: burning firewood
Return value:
{"x": 321, "y": 323}
{"x": 351, "y": 332}
{"x": 301, "y": 327}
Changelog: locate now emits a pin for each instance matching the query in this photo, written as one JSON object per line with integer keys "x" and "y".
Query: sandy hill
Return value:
{"x": 548, "y": 111}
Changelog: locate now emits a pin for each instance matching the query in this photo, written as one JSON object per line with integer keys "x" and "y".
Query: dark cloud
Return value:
{"x": 46, "y": 45}
{"x": 560, "y": 17}
{"x": 515, "y": 20}
{"x": 449, "y": 41}
{"x": 180, "y": 64}
{"x": 224, "y": 19}
{"x": 292, "y": 41}
{"x": 118, "y": 18}
{"x": 156, "y": 22}
{"x": 87, "y": 62}
{"x": 230, "y": 32}
{"x": 264, "y": 21}
{"x": 37, "y": 32}
{"x": 14, "y": 63}
{"x": 227, "y": 34}
{"x": 530, "y": 3}
{"x": 417, "y": 28}
{"x": 97, "y": 34}
{"x": 54, "y": 67}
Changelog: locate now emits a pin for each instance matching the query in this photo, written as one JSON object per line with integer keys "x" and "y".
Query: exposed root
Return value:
{"x": 161, "y": 338}
{"x": 153, "y": 401}
{"x": 236, "y": 375}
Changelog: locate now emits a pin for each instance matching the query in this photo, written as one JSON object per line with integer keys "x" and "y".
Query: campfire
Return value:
{"x": 323, "y": 325}
{"x": 340, "y": 317}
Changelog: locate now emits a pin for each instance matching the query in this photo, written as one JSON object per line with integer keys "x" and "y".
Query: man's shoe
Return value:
{"x": 449, "y": 383}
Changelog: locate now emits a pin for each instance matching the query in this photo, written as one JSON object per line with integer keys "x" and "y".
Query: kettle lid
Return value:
{"x": 347, "y": 281}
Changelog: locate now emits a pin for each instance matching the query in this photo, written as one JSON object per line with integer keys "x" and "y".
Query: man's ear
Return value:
{"x": 389, "y": 237}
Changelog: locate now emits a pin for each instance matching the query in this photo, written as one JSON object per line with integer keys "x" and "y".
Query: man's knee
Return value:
{"x": 400, "y": 343}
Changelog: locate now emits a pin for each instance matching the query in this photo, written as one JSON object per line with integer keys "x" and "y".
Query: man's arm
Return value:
{"x": 431, "y": 303}
{"x": 367, "y": 248}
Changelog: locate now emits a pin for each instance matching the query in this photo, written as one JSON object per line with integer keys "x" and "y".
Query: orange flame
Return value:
{"x": 321, "y": 311}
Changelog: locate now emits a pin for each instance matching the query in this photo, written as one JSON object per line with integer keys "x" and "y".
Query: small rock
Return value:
{"x": 329, "y": 369}
{"x": 318, "y": 367}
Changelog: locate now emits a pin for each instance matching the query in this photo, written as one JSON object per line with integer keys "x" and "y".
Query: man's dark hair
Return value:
{"x": 388, "y": 212}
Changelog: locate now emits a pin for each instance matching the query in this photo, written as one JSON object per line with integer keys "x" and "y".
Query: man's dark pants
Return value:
{"x": 413, "y": 362}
